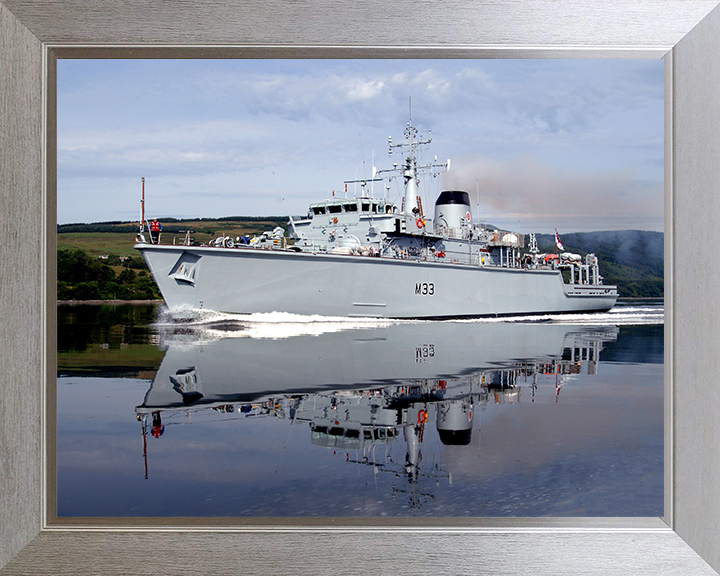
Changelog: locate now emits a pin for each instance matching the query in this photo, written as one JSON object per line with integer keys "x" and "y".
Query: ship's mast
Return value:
{"x": 142, "y": 207}
{"x": 410, "y": 174}
{"x": 411, "y": 171}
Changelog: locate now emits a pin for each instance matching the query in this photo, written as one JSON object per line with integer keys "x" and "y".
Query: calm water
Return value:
{"x": 275, "y": 415}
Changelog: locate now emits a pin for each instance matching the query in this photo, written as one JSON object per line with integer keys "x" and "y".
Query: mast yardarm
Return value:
{"x": 411, "y": 171}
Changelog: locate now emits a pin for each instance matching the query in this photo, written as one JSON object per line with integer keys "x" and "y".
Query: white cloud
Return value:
{"x": 224, "y": 126}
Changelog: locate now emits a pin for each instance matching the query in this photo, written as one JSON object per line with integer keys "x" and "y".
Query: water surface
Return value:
{"x": 273, "y": 415}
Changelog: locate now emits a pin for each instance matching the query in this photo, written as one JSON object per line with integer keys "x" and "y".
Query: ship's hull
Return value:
{"x": 247, "y": 280}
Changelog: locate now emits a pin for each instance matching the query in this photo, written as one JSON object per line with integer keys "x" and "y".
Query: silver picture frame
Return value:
{"x": 686, "y": 33}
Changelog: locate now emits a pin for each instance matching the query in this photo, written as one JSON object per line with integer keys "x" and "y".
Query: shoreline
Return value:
{"x": 641, "y": 298}
{"x": 109, "y": 302}
{"x": 149, "y": 302}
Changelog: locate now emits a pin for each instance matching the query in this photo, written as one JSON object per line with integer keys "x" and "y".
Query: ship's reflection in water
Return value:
{"x": 399, "y": 406}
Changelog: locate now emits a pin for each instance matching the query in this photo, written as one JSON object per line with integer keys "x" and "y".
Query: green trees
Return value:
{"x": 633, "y": 260}
{"x": 81, "y": 277}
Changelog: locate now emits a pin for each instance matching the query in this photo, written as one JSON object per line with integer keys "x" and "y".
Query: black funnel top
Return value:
{"x": 455, "y": 437}
{"x": 453, "y": 197}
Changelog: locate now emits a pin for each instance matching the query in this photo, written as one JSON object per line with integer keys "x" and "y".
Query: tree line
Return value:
{"x": 121, "y": 229}
{"x": 171, "y": 225}
{"x": 634, "y": 260}
{"x": 82, "y": 277}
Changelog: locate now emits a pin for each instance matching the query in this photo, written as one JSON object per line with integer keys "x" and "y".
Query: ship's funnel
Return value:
{"x": 452, "y": 210}
{"x": 454, "y": 422}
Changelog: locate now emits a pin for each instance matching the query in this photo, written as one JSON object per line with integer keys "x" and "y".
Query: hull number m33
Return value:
{"x": 425, "y": 288}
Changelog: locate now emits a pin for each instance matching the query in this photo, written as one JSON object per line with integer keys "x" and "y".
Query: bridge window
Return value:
{"x": 319, "y": 209}
{"x": 350, "y": 207}
{"x": 335, "y": 209}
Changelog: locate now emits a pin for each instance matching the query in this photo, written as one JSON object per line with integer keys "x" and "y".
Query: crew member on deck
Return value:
{"x": 155, "y": 229}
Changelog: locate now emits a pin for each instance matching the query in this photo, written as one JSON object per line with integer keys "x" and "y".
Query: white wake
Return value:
{"x": 276, "y": 325}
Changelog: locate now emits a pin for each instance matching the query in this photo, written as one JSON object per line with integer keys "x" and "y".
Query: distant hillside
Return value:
{"x": 632, "y": 259}
{"x": 107, "y": 238}
{"x": 175, "y": 225}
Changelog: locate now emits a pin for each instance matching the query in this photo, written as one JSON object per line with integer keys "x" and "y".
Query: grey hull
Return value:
{"x": 247, "y": 280}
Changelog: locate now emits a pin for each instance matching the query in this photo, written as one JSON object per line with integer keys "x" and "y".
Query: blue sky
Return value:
{"x": 539, "y": 144}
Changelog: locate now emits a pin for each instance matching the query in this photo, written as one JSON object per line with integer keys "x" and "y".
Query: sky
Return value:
{"x": 575, "y": 145}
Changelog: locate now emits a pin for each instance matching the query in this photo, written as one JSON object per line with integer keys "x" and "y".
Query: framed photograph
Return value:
{"x": 328, "y": 378}
{"x": 36, "y": 541}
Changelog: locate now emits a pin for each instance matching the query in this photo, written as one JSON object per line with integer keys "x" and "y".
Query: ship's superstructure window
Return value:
{"x": 335, "y": 209}
{"x": 366, "y": 206}
{"x": 350, "y": 207}
{"x": 319, "y": 209}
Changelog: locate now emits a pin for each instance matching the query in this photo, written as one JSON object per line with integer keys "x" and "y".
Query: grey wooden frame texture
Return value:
{"x": 33, "y": 34}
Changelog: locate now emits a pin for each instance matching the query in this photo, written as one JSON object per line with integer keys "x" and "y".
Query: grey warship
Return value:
{"x": 367, "y": 257}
